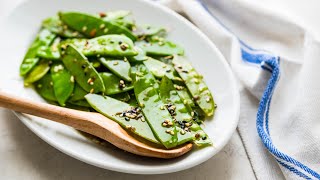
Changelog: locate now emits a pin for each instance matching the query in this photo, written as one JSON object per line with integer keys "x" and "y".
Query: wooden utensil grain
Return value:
{"x": 92, "y": 123}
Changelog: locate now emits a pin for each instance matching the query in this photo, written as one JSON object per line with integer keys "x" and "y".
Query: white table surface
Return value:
{"x": 25, "y": 156}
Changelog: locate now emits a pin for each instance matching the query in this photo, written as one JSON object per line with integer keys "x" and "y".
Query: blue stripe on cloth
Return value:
{"x": 270, "y": 63}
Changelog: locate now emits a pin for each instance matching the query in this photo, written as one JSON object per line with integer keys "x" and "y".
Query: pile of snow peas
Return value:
{"x": 128, "y": 72}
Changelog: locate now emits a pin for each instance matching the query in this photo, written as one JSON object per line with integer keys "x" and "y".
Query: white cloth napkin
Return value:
{"x": 277, "y": 62}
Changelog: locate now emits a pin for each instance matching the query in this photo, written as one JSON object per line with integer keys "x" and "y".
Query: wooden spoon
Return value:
{"x": 92, "y": 123}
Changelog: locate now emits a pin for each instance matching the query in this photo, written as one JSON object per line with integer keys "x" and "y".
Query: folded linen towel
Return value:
{"x": 277, "y": 62}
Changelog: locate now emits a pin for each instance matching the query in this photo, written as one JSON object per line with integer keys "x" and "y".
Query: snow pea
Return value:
{"x": 84, "y": 74}
{"x": 121, "y": 68}
{"x": 129, "y": 117}
{"x": 176, "y": 108}
{"x": 50, "y": 52}
{"x": 92, "y": 26}
{"x": 160, "y": 69}
{"x": 195, "y": 84}
{"x": 78, "y": 93}
{"x": 160, "y": 48}
{"x": 37, "y": 72}
{"x": 113, "y": 84}
{"x": 152, "y": 107}
{"x": 146, "y": 30}
{"x": 44, "y": 38}
{"x": 108, "y": 45}
{"x": 188, "y": 129}
{"x": 185, "y": 95}
{"x": 45, "y": 88}
{"x": 63, "y": 82}
{"x": 140, "y": 57}
{"x": 55, "y": 25}
{"x": 124, "y": 97}
{"x": 119, "y": 17}
{"x": 81, "y": 103}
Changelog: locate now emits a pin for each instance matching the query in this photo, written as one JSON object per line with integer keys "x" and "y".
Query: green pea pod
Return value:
{"x": 195, "y": 84}
{"x": 185, "y": 95}
{"x": 78, "y": 93}
{"x": 160, "y": 69}
{"x": 63, "y": 83}
{"x": 50, "y": 52}
{"x": 45, "y": 88}
{"x": 113, "y": 85}
{"x": 148, "y": 30}
{"x": 37, "y": 72}
{"x": 124, "y": 97}
{"x": 188, "y": 129}
{"x": 120, "y": 17}
{"x": 116, "y": 110}
{"x": 82, "y": 103}
{"x": 121, "y": 68}
{"x": 176, "y": 108}
{"x": 92, "y": 26}
{"x": 146, "y": 92}
{"x": 108, "y": 45}
{"x": 160, "y": 48}
{"x": 55, "y": 25}
{"x": 44, "y": 38}
{"x": 79, "y": 66}
{"x": 140, "y": 57}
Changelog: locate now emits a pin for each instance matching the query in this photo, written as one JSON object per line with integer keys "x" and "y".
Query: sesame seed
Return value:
{"x": 168, "y": 57}
{"x": 164, "y": 124}
{"x": 91, "y": 90}
{"x": 182, "y": 132}
{"x": 39, "y": 86}
{"x": 75, "y": 33}
{"x": 185, "y": 102}
{"x": 161, "y": 107}
{"x": 74, "y": 60}
{"x": 102, "y": 26}
{"x": 160, "y": 43}
{"x": 105, "y": 30}
{"x": 197, "y": 135}
{"x": 91, "y": 83}
{"x": 196, "y": 81}
{"x": 51, "y": 83}
{"x": 125, "y": 59}
{"x": 89, "y": 80}
{"x": 116, "y": 63}
{"x": 84, "y": 28}
{"x": 65, "y": 27}
{"x": 196, "y": 98}
{"x": 72, "y": 79}
{"x": 164, "y": 66}
{"x": 208, "y": 99}
{"x": 123, "y": 46}
{"x": 192, "y": 113}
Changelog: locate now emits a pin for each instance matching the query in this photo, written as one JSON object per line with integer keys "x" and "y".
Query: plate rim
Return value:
{"x": 156, "y": 170}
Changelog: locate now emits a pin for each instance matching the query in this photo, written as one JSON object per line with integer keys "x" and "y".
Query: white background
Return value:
{"x": 24, "y": 156}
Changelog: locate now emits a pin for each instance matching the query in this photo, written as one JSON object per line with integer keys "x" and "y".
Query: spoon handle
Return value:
{"x": 62, "y": 115}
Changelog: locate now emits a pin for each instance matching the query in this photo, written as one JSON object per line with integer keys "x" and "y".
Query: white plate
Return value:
{"x": 20, "y": 28}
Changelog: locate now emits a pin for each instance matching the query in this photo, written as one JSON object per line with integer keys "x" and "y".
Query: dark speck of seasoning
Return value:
{"x": 215, "y": 106}
{"x": 111, "y": 42}
{"x": 83, "y": 66}
{"x": 127, "y": 119}
{"x": 148, "y": 27}
{"x": 204, "y": 138}
{"x": 168, "y": 70}
{"x": 185, "y": 71}
{"x": 120, "y": 42}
